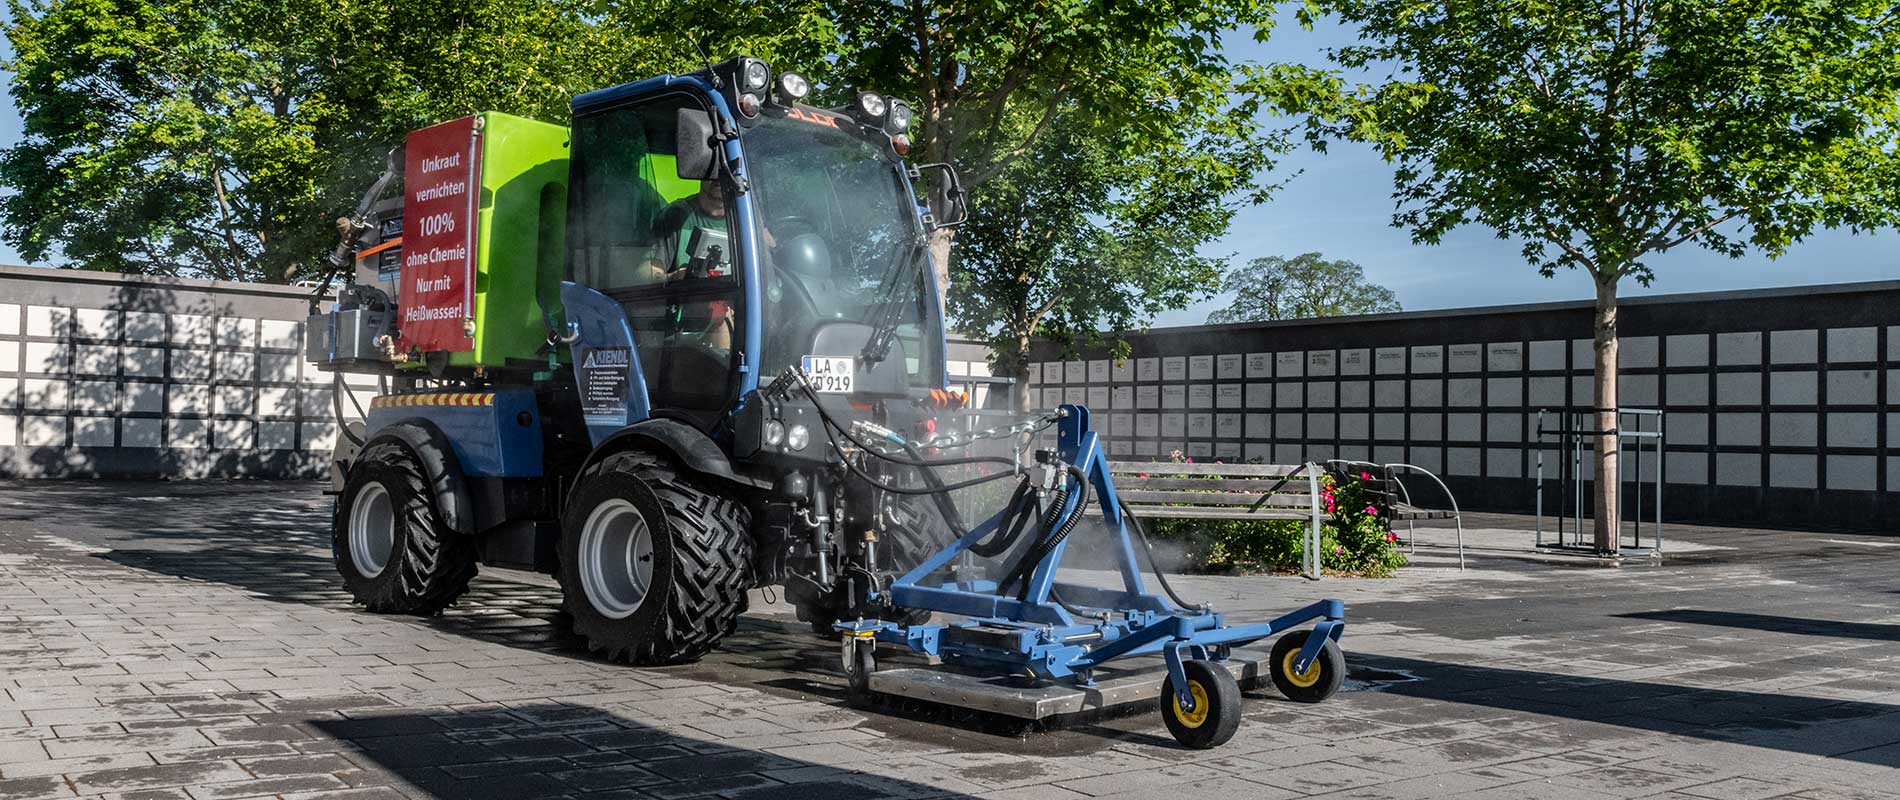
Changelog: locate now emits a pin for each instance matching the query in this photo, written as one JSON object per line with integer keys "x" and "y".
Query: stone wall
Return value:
{"x": 114, "y": 376}
{"x": 1780, "y": 404}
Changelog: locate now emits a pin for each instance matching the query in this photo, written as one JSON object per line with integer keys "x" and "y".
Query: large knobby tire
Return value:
{"x": 654, "y": 566}
{"x": 395, "y": 554}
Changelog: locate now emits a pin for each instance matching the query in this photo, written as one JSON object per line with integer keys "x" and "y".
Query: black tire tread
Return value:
{"x": 1223, "y": 694}
{"x": 1331, "y": 661}
{"x": 436, "y": 565}
{"x": 712, "y": 550}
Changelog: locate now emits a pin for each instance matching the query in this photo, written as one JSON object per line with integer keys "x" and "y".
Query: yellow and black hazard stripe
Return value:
{"x": 433, "y": 399}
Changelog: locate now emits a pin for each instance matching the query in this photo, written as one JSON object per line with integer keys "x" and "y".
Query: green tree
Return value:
{"x": 991, "y": 79}
{"x": 216, "y": 138}
{"x": 1075, "y": 242}
{"x": 1305, "y": 286}
{"x": 1143, "y": 93}
{"x": 1602, "y": 132}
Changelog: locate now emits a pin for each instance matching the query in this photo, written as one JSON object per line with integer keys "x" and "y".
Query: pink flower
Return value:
{"x": 1365, "y": 476}
{"x": 1372, "y": 511}
{"x": 1391, "y": 537}
{"x": 1339, "y": 551}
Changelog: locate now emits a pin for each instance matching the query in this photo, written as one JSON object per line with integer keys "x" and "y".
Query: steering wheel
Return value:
{"x": 782, "y": 277}
{"x": 797, "y": 220}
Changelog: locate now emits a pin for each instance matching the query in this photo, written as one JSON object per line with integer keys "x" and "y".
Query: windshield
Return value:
{"x": 842, "y": 238}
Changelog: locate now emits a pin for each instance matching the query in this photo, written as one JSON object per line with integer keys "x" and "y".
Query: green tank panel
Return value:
{"x": 520, "y": 224}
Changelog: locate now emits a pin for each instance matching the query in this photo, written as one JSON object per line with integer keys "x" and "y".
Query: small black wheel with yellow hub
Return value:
{"x": 1318, "y": 681}
{"x": 1215, "y": 714}
{"x": 859, "y": 661}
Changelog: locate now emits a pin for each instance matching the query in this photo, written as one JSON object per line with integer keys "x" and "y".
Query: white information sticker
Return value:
{"x": 830, "y": 374}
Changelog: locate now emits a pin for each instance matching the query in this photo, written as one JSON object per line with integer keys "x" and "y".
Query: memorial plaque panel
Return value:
{"x": 1259, "y": 365}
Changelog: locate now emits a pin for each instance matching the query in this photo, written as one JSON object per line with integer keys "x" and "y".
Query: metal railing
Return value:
{"x": 1405, "y": 496}
{"x": 1572, "y": 430}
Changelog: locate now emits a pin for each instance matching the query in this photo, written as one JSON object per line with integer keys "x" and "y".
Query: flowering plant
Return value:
{"x": 1354, "y": 537}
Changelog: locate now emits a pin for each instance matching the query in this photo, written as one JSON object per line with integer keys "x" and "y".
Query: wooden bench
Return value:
{"x": 1171, "y": 490}
{"x": 1394, "y": 500}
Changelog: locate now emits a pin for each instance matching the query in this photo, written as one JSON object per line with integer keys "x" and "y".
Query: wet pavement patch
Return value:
{"x": 1372, "y": 679}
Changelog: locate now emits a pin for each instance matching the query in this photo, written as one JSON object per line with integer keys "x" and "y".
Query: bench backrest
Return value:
{"x": 1383, "y": 489}
{"x": 1165, "y": 488}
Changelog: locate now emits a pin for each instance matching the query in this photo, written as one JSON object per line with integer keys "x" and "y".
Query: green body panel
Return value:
{"x": 519, "y": 232}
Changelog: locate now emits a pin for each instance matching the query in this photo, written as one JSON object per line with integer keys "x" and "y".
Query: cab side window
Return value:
{"x": 632, "y": 219}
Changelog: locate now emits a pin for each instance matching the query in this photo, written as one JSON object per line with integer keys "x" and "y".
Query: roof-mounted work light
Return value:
{"x": 897, "y": 120}
{"x": 869, "y": 108}
{"x": 744, "y": 81}
{"x": 792, "y": 87}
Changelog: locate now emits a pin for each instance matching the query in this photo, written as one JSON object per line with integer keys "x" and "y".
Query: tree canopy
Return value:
{"x": 218, "y": 138}
{"x": 1306, "y": 286}
{"x": 1597, "y": 132}
{"x": 1102, "y": 142}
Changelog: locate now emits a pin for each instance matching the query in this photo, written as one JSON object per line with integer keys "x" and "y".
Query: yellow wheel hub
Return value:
{"x": 1198, "y": 716}
{"x": 1300, "y": 679}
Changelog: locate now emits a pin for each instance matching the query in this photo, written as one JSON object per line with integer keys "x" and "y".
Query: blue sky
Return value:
{"x": 1339, "y": 204}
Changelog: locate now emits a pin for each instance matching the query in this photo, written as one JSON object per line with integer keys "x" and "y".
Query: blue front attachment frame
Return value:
{"x": 1044, "y": 638}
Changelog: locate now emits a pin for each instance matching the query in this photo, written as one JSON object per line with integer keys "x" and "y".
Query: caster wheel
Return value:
{"x": 1216, "y": 712}
{"x": 860, "y": 660}
{"x": 1321, "y": 678}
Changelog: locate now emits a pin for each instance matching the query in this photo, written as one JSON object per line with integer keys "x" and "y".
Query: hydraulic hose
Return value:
{"x": 845, "y": 431}
{"x": 948, "y": 487}
{"x": 1047, "y": 544}
{"x": 1012, "y": 526}
{"x": 336, "y": 401}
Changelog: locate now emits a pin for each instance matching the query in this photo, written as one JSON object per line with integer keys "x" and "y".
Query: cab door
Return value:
{"x": 631, "y": 225}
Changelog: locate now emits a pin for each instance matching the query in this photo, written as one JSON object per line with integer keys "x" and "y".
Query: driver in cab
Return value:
{"x": 704, "y": 209}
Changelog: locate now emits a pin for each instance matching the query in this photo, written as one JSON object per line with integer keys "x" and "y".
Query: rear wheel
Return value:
{"x": 654, "y": 567}
{"x": 390, "y": 545}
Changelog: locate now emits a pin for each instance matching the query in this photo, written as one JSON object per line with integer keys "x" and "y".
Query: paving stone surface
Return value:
{"x": 189, "y": 641}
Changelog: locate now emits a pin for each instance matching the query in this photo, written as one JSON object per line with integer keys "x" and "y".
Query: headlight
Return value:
{"x": 774, "y": 432}
{"x": 871, "y": 106}
{"x": 798, "y": 437}
{"x": 899, "y": 119}
{"x": 792, "y": 87}
{"x": 757, "y": 74}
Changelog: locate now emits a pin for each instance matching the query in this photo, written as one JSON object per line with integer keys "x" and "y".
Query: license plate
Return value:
{"x": 829, "y": 374}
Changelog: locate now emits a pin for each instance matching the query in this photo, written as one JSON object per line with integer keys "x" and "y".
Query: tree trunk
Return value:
{"x": 940, "y": 240}
{"x": 1017, "y": 366}
{"x": 1607, "y": 524}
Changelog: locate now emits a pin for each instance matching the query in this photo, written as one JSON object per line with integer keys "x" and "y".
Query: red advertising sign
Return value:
{"x": 442, "y": 181}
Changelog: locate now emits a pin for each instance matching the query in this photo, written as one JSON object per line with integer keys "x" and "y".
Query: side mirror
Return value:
{"x": 949, "y": 206}
{"x": 693, "y": 138}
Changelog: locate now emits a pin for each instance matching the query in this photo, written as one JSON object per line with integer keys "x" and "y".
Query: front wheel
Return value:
{"x": 1321, "y": 679}
{"x": 391, "y": 547}
{"x": 1215, "y": 715}
{"x": 654, "y": 567}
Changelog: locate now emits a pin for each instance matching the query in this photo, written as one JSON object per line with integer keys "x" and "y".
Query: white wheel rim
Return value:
{"x": 616, "y": 559}
{"x": 372, "y": 530}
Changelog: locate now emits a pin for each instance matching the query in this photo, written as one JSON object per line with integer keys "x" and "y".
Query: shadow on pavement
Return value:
{"x": 1844, "y": 729}
{"x": 1774, "y": 624}
{"x": 548, "y": 750}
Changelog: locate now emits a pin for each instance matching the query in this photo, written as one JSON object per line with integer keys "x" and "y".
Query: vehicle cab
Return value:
{"x": 719, "y": 230}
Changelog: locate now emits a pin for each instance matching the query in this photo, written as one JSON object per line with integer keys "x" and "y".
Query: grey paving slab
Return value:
{"x": 206, "y": 652}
